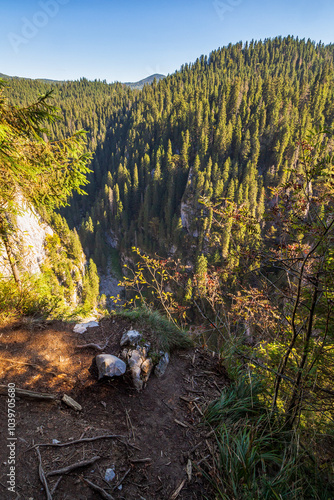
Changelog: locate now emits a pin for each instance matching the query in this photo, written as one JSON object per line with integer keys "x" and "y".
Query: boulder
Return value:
{"x": 161, "y": 367}
{"x": 109, "y": 366}
{"x": 132, "y": 337}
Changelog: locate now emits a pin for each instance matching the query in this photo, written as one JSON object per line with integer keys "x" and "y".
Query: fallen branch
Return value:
{"x": 42, "y": 476}
{"x": 28, "y": 394}
{"x": 97, "y": 488}
{"x": 71, "y": 467}
{"x": 83, "y": 440}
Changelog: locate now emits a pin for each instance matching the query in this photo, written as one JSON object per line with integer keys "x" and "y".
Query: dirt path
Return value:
{"x": 161, "y": 428}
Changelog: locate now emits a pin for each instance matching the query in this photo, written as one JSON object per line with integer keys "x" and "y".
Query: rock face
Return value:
{"x": 30, "y": 244}
{"x": 132, "y": 337}
{"x": 31, "y": 232}
{"x": 161, "y": 367}
{"x": 109, "y": 366}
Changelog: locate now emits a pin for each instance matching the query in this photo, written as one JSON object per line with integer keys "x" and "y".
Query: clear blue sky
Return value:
{"x": 127, "y": 40}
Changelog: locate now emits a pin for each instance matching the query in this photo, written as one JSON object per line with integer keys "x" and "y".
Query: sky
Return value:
{"x": 129, "y": 40}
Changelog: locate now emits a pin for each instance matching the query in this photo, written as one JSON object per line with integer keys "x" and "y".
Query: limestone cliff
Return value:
{"x": 28, "y": 242}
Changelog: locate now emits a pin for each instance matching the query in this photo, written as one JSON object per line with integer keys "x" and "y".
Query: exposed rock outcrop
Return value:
{"x": 29, "y": 241}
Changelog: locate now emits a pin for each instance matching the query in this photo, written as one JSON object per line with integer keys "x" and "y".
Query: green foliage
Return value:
{"x": 45, "y": 173}
{"x": 241, "y": 401}
{"x": 40, "y": 295}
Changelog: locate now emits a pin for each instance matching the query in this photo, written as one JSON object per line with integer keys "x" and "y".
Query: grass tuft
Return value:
{"x": 169, "y": 337}
{"x": 256, "y": 456}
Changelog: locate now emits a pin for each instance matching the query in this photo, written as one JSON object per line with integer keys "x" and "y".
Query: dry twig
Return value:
{"x": 83, "y": 440}
{"x": 177, "y": 491}
{"x": 71, "y": 403}
{"x": 141, "y": 460}
{"x": 128, "y": 419}
{"x": 42, "y": 475}
{"x": 97, "y": 488}
{"x": 121, "y": 480}
{"x": 56, "y": 485}
{"x": 181, "y": 423}
{"x": 95, "y": 346}
{"x": 71, "y": 467}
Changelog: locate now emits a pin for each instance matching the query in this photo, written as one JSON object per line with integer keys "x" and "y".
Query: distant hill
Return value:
{"x": 139, "y": 85}
{"x": 133, "y": 85}
{"x": 43, "y": 80}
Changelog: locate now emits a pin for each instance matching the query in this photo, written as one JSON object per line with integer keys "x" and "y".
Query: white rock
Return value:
{"x": 162, "y": 365}
{"x": 110, "y": 366}
{"x": 132, "y": 337}
{"x": 109, "y": 475}
{"x": 82, "y": 327}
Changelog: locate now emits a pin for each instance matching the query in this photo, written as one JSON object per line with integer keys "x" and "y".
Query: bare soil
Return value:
{"x": 162, "y": 446}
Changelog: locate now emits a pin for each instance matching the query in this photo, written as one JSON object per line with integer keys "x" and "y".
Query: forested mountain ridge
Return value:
{"x": 227, "y": 125}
